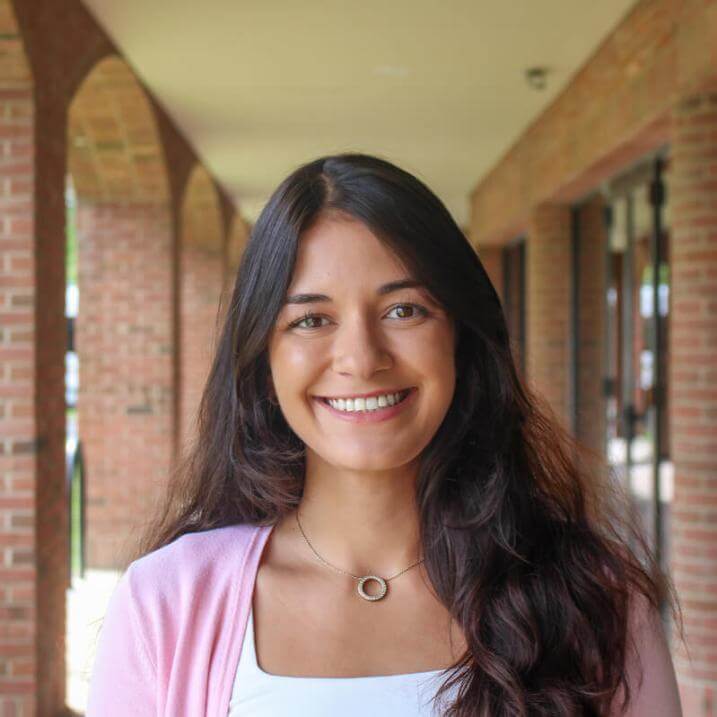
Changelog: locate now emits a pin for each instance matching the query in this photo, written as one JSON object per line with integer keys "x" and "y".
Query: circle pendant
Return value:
{"x": 381, "y": 583}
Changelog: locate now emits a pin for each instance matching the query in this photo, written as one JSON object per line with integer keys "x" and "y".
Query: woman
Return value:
{"x": 376, "y": 511}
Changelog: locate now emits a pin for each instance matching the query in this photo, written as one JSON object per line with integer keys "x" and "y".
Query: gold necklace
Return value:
{"x": 362, "y": 580}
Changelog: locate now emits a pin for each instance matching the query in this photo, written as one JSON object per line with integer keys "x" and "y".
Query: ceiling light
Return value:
{"x": 537, "y": 77}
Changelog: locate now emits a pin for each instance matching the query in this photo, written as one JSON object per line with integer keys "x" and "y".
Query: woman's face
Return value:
{"x": 360, "y": 340}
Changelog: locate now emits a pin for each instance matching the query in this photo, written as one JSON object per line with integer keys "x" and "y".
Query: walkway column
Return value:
{"x": 693, "y": 405}
{"x": 24, "y": 432}
{"x": 590, "y": 428}
{"x": 548, "y": 277}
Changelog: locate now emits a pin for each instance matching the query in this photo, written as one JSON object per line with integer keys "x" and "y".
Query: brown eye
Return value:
{"x": 409, "y": 311}
{"x": 306, "y": 318}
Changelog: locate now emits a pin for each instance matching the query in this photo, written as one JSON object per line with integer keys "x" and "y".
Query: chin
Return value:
{"x": 375, "y": 463}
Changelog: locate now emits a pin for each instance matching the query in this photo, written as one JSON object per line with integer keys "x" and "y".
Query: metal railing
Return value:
{"x": 76, "y": 503}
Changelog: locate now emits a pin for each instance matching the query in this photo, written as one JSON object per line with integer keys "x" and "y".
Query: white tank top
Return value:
{"x": 260, "y": 694}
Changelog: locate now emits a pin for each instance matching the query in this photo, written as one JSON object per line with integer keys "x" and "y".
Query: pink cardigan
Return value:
{"x": 171, "y": 637}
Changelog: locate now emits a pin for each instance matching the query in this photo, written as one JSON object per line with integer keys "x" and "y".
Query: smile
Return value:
{"x": 369, "y": 410}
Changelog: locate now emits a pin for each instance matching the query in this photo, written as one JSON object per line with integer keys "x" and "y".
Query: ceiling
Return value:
{"x": 259, "y": 87}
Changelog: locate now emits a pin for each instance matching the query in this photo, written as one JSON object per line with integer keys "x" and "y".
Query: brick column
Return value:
{"x": 18, "y": 420}
{"x": 201, "y": 276}
{"x": 693, "y": 404}
{"x": 124, "y": 345}
{"x": 50, "y": 497}
{"x": 590, "y": 428}
{"x": 548, "y": 280}
{"x": 201, "y": 284}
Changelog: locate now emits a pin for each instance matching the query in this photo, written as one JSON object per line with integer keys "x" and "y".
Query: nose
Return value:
{"x": 359, "y": 349}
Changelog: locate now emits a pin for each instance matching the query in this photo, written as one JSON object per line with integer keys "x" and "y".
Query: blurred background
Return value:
{"x": 574, "y": 142}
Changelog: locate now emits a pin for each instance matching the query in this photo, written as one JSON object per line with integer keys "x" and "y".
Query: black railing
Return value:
{"x": 76, "y": 501}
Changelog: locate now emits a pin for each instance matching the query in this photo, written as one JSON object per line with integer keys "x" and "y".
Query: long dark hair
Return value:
{"x": 526, "y": 540}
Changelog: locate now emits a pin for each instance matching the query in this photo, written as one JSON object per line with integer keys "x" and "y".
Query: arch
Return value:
{"x": 14, "y": 65}
{"x": 114, "y": 149}
{"x": 201, "y": 272}
{"x": 124, "y": 327}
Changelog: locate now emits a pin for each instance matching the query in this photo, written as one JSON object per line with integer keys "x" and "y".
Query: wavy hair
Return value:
{"x": 525, "y": 536}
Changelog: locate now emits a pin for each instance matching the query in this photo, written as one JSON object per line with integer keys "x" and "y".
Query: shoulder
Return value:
{"x": 168, "y": 606}
{"x": 201, "y": 563}
{"x": 195, "y": 552}
{"x": 649, "y": 667}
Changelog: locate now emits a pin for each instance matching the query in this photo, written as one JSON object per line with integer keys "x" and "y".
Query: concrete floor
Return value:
{"x": 87, "y": 601}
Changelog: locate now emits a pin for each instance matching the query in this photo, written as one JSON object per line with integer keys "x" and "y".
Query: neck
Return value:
{"x": 363, "y": 522}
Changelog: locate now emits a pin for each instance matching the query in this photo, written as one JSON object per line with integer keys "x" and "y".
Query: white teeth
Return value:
{"x": 365, "y": 404}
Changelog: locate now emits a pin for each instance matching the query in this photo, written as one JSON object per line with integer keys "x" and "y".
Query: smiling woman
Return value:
{"x": 374, "y": 335}
{"x": 378, "y": 516}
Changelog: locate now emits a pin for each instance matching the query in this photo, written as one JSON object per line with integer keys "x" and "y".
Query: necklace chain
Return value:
{"x": 328, "y": 564}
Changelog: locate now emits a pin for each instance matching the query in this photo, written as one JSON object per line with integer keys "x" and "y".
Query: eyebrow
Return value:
{"x": 381, "y": 291}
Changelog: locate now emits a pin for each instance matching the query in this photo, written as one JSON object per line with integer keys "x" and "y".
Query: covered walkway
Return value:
{"x": 126, "y": 201}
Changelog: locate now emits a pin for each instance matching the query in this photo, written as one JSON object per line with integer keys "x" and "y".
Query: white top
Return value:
{"x": 260, "y": 694}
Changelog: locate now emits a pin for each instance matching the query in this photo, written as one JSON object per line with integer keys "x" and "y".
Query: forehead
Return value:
{"x": 344, "y": 251}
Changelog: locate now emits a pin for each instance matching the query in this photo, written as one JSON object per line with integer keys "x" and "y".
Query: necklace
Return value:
{"x": 362, "y": 580}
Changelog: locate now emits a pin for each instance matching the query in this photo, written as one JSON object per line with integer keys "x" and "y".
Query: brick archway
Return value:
{"x": 124, "y": 336}
{"x": 201, "y": 274}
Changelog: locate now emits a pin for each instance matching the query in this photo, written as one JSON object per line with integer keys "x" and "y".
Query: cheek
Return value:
{"x": 432, "y": 353}
{"x": 293, "y": 366}
{"x": 438, "y": 362}
{"x": 443, "y": 371}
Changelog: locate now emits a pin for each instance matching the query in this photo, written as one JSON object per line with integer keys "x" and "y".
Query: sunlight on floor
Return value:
{"x": 87, "y": 601}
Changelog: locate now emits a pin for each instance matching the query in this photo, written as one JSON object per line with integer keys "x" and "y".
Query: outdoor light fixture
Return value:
{"x": 537, "y": 77}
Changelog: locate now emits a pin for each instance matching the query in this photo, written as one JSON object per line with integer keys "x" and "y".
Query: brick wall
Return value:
{"x": 513, "y": 297}
{"x": 202, "y": 274}
{"x": 548, "y": 282}
{"x": 124, "y": 345}
{"x": 590, "y": 427}
{"x": 18, "y": 426}
{"x": 693, "y": 381}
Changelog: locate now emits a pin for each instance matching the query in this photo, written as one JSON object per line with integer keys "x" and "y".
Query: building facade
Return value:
{"x": 599, "y": 227}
